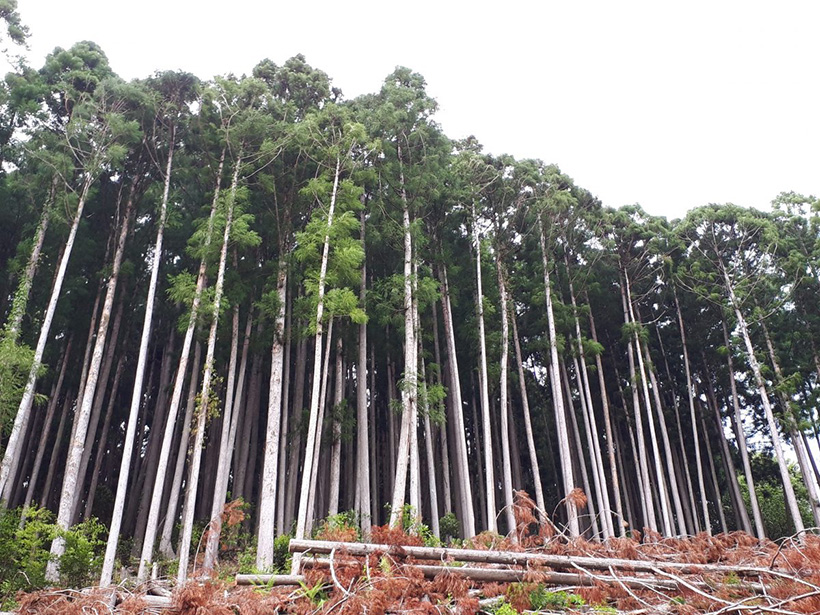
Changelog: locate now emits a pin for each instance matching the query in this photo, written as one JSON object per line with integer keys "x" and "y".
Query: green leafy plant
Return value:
{"x": 542, "y": 599}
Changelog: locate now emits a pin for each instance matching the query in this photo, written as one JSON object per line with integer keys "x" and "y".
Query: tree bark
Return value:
{"x": 13, "y": 452}
{"x": 75, "y": 451}
{"x": 151, "y": 526}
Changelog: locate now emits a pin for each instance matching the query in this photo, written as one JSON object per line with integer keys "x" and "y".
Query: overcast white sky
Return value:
{"x": 670, "y": 105}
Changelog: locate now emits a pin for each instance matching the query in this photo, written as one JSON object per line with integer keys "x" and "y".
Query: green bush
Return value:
{"x": 25, "y": 552}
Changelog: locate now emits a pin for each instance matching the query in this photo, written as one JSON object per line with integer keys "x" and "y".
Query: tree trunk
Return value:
{"x": 103, "y": 443}
{"x": 151, "y": 526}
{"x": 557, "y": 397}
{"x": 205, "y": 391}
{"x": 462, "y": 467}
{"x": 165, "y": 547}
{"x": 610, "y": 439}
{"x": 20, "y": 300}
{"x": 273, "y": 436}
{"x": 312, "y": 435}
{"x": 362, "y": 432}
{"x": 75, "y": 451}
{"x": 41, "y": 448}
{"x": 229, "y": 414}
{"x": 791, "y": 499}
{"x": 644, "y": 484}
{"x": 14, "y": 450}
{"x": 690, "y": 390}
{"x": 760, "y": 528}
{"x": 505, "y": 409}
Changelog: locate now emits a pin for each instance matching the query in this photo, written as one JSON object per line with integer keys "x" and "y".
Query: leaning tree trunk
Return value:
{"x": 797, "y": 442}
{"x": 558, "y": 398}
{"x": 791, "y": 499}
{"x": 205, "y": 391}
{"x": 14, "y": 450}
{"x": 525, "y": 403}
{"x": 75, "y": 450}
{"x": 229, "y": 415}
{"x": 165, "y": 546}
{"x": 151, "y": 526}
{"x": 760, "y": 529}
{"x": 20, "y": 300}
{"x": 610, "y": 439}
{"x": 136, "y": 398}
{"x": 690, "y": 390}
{"x": 462, "y": 467}
{"x": 312, "y": 435}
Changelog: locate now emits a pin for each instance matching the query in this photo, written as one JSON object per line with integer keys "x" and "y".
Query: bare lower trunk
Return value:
{"x": 14, "y": 449}
{"x": 557, "y": 397}
{"x": 505, "y": 409}
{"x": 690, "y": 390}
{"x": 462, "y": 467}
{"x": 233, "y": 402}
{"x": 760, "y": 529}
{"x": 610, "y": 438}
{"x": 774, "y": 431}
{"x": 151, "y": 526}
{"x": 205, "y": 391}
{"x": 273, "y": 436}
{"x": 75, "y": 451}
{"x": 362, "y": 431}
{"x": 165, "y": 546}
{"x": 336, "y": 434}
{"x": 41, "y": 448}
{"x": 103, "y": 443}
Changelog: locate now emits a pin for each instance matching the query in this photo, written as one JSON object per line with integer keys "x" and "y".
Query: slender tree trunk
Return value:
{"x": 13, "y": 452}
{"x": 205, "y": 392}
{"x": 484, "y": 397}
{"x": 666, "y": 515}
{"x": 760, "y": 528}
{"x": 610, "y": 439}
{"x": 667, "y": 447}
{"x": 336, "y": 433}
{"x": 20, "y": 300}
{"x": 791, "y": 499}
{"x": 362, "y": 431}
{"x": 690, "y": 390}
{"x": 557, "y": 397}
{"x": 281, "y": 501}
{"x": 96, "y": 411}
{"x": 41, "y": 448}
{"x": 103, "y": 443}
{"x": 591, "y": 423}
{"x": 312, "y": 435}
{"x": 644, "y": 484}
{"x": 231, "y": 410}
{"x": 55, "y": 454}
{"x": 273, "y": 436}
{"x": 442, "y": 429}
{"x": 165, "y": 546}
{"x": 409, "y": 392}
{"x": 75, "y": 451}
{"x": 715, "y": 487}
{"x": 151, "y": 526}
{"x": 463, "y": 471}
{"x": 505, "y": 410}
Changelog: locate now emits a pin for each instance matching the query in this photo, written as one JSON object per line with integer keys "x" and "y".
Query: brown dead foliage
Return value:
{"x": 390, "y": 582}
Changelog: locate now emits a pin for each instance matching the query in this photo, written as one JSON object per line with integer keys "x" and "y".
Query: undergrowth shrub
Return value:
{"x": 25, "y": 552}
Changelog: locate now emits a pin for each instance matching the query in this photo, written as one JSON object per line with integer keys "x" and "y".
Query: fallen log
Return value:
{"x": 513, "y": 558}
{"x": 270, "y": 579}
{"x": 507, "y": 575}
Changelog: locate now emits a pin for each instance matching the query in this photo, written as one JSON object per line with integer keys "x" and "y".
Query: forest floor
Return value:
{"x": 536, "y": 570}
